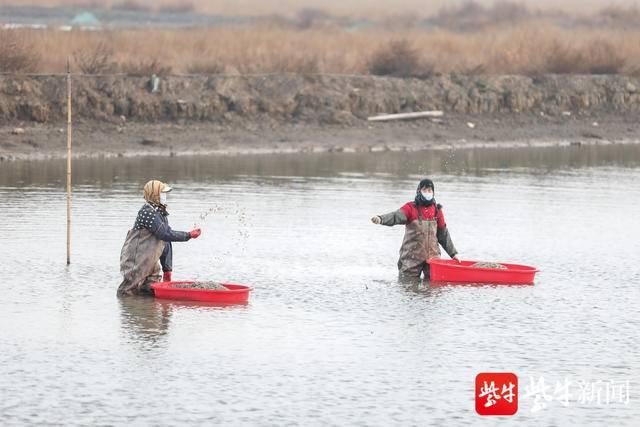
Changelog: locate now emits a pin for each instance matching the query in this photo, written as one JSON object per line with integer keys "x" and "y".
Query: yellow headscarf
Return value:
{"x": 152, "y": 190}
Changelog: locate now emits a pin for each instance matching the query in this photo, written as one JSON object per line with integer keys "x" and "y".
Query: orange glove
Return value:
{"x": 195, "y": 233}
{"x": 166, "y": 276}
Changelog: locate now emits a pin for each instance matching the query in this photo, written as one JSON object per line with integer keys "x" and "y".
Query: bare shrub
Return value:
{"x": 507, "y": 11}
{"x": 16, "y": 53}
{"x": 180, "y": 7}
{"x": 308, "y": 17}
{"x": 617, "y": 17}
{"x": 145, "y": 67}
{"x": 95, "y": 60}
{"x": 399, "y": 59}
{"x": 131, "y": 6}
{"x": 473, "y": 16}
{"x": 458, "y": 17}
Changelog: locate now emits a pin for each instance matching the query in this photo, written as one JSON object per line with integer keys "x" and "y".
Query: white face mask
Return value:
{"x": 427, "y": 196}
{"x": 163, "y": 198}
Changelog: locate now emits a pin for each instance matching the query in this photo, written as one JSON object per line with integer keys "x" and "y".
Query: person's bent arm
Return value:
{"x": 444, "y": 238}
{"x": 162, "y": 230}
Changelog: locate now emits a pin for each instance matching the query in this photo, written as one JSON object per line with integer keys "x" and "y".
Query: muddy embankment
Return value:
{"x": 121, "y": 114}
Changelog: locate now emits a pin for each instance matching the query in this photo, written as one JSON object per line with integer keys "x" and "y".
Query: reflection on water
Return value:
{"x": 330, "y": 335}
{"x": 144, "y": 319}
{"x": 107, "y": 172}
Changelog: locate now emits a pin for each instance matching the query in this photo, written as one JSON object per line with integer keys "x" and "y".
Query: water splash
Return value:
{"x": 203, "y": 215}
{"x": 227, "y": 213}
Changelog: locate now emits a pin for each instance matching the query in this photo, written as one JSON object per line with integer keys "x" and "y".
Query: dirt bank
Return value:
{"x": 119, "y": 115}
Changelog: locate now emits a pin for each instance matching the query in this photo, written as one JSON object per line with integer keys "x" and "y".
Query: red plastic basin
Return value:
{"x": 448, "y": 270}
{"x": 236, "y": 294}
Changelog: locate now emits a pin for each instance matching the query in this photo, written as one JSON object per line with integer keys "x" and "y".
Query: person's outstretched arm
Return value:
{"x": 391, "y": 218}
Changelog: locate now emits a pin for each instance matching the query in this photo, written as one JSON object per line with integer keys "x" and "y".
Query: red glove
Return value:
{"x": 166, "y": 276}
{"x": 195, "y": 233}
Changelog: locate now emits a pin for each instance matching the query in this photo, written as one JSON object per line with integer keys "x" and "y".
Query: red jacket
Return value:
{"x": 411, "y": 212}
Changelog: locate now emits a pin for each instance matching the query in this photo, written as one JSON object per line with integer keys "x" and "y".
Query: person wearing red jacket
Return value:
{"x": 147, "y": 247}
{"x": 425, "y": 231}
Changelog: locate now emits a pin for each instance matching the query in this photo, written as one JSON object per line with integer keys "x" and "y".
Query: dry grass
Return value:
{"x": 17, "y": 53}
{"x": 599, "y": 57}
{"x": 206, "y": 67}
{"x": 145, "y": 67}
{"x": 308, "y": 36}
{"x": 530, "y": 49}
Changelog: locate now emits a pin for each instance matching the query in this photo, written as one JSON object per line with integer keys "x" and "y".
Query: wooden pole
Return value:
{"x": 68, "y": 163}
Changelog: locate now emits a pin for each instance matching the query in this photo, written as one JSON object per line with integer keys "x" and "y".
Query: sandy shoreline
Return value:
{"x": 99, "y": 139}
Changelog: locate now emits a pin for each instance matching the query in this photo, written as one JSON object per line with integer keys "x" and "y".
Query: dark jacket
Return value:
{"x": 410, "y": 212}
{"x": 154, "y": 219}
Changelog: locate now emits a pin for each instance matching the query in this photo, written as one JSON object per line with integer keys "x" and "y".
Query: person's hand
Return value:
{"x": 455, "y": 257}
{"x": 195, "y": 233}
{"x": 376, "y": 220}
{"x": 166, "y": 276}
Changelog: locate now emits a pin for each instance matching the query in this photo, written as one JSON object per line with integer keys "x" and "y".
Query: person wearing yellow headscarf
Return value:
{"x": 147, "y": 248}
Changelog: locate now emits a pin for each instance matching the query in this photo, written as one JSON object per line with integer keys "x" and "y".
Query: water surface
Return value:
{"x": 330, "y": 336}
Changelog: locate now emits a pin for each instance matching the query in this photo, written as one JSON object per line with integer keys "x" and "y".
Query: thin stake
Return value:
{"x": 68, "y": 163}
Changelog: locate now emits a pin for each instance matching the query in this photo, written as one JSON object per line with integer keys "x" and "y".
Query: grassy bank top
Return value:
{"x": 466, "y": 38}
{"x": 526, "y": 50}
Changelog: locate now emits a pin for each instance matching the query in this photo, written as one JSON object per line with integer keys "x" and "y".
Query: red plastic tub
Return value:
{"x": 448, "y": 270}
{"x": 236, "y": 294}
